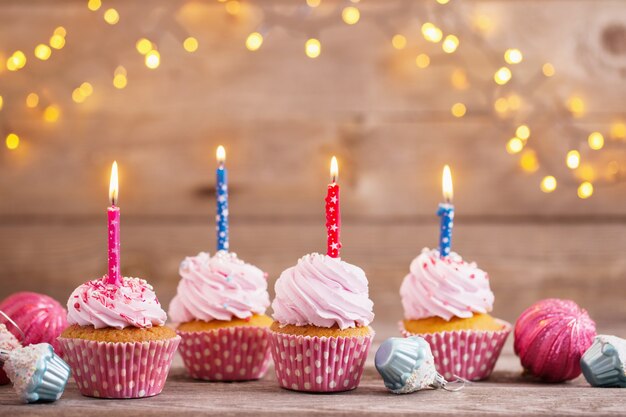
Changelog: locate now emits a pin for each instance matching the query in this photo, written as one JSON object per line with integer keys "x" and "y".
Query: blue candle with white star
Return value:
{"x": 222, "y": 200}
{"x": 446, "y": 212}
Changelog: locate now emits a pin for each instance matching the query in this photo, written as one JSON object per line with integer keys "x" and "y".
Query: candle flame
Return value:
{"x": 447, "y": 184}
{"x": 334, "y": 169}
{"x": 220, "y": 154}
{"x": 113, "y": 185}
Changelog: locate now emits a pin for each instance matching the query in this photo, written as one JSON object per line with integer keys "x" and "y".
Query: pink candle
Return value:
{"x": 333, "y": 219}
{"x": 113, "y": 213}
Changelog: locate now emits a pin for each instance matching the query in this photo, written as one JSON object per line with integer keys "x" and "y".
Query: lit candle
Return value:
{"x": 333, "y": 219}
{"x": 113, "y": 212}
{"x": 446, "y": 211}
{"x": 222, "y": 200}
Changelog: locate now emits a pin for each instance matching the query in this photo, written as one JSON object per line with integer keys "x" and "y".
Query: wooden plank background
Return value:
{"x": 281, "y": 116}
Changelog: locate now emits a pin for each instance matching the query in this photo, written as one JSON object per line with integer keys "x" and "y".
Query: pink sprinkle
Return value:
{"x": 77, "y": 306}
{"x": 425, "y": 265}
{"x": 445, "y": 303}
{"x": 472, "y": 276}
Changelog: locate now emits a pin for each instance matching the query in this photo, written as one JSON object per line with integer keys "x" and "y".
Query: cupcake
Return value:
{"x": 447, "y": 301}
{"x": 220, "y": 310}
{"x": 117, "y": 344}
{"x": 604, "y": 363}
{"x": 321, "y": 335}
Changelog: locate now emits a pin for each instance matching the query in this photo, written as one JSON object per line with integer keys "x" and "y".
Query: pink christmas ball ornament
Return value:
{"x": 41, "y": 318}
{"x": 550, "y": 338}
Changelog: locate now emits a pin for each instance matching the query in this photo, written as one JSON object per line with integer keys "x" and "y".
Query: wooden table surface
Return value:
{"x": 505, "y": 393}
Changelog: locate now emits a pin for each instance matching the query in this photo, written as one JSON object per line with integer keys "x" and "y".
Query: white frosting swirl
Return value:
{"x": 218, "y": 288}
{"x": 323, "y": 291}
{"x": 446, "y": 288}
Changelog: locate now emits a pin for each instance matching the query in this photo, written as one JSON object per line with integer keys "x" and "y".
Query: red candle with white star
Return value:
{"x": 333, "y": 219}
{"x": 113, "y": 213}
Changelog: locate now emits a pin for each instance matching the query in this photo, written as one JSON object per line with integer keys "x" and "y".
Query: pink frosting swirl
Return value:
{"x": 323, "y": 291}
{"x": 445, "y": 288}
{"x": 99, "y": 304}
{"x": 218, "y": 288}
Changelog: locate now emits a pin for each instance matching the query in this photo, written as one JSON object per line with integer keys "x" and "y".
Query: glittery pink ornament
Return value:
{"x": 41, "y": 318}
{"x": 550, "y": 338}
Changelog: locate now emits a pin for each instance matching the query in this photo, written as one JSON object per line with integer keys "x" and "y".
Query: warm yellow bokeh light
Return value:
{"x": 548, "y": 69}
{"x": 60, "y": 30}
{"x": 111, "y": 16}
{"x": 16, "y": 61}
{"x": 585, "y": 190}
{"x": 548, "y": 184}
{"x": 43, "y": 51}
{"x": 120, "y": 81}
{"x": 312, "y": 48}
{"x": 483, "y": 23}
{"x": 52, "y": 113}
{"x": 431, "y": 32}
{"x": 232, "y": 7}
{"x": 57, "y": 41}
{"x": 153, "y": 59}
{"x": 576, "y": 106}
{"x": 422, "y": 61}
{"x": 501, "y": 105}
{"x": 86, "y": 88}
{"x": 528, "y": 161}
{"x": 458, "y": 110}
{"x": 572, "y": 160}
{"x": 450, "y": 44}
{"x": 1, "y": 102}
{"x": 350, "y": 15}
{"x": 522, "y": 132}
{"x": 78, "y": 96}
{"x": 502, "y": 76}
{"x": 443, "y": 1}
{"x": 513, "y": 56}
{"x": 618, "y": 130}
{"x": 143, "y": 46}
{"x": 254, "y": 41}
{"x": 398, "y": 41}
{"x": 313, "y": 3}
{"x": 32, "y": 100}
{"x": 94, "y": 5}
{"x": 596, "y": 141}
{"x": 514, "y": 145}
{"x": 459, "y": 79}
{"x": 190, "y": 44}
{"x": 514, "y": 101}
{"x": 12, "y": 141}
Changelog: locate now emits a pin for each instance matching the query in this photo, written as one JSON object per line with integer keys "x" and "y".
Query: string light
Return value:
{"x": 60, "y": 31}
{"x": 313, "y": 3}
{"x": 57, "y": 41}
{"x": 153, "y": 59}
{"x": 548, "y": 184}
{"x": 190, "y": 44}
{"x": 12, "y": 141}
{"x": 111, "y": 16}
{"x": 398, "y": 41}
{"x": 254, "y": 41}
{"x": 431, "y": 32}
{"x": 522, "y": 132}
{"x": 501, "y": 105}
{"x": 43, "y": 51}
{"x": 596, "y": 141}
{"x": 78, "y": 96}
{"x": 119, "y": 78}
{"x": 585, "y": 190}
{"x": 443, "y": 1}
{"x": 458, "y": 109}
{"x": 143, "y": 46}
{"x": 572, "y": 160}
{"x": 528, "y": 161}
{"x": 502, "y": 76}
{"x": 576, "y": 106}
{"x": 32, "y": 100}
{"x": 514, "y": 145}
{"x": 459, "y": 79}
{"x": 94, "y": 5}
{"x": 350, "y": 15}
{"x": 548, "y": 69}
{"x": 513, "y": 56}
{"x": 51, "y": 113}
{"x": 422, "y": 61}
{"x": 618, "y": 130}
{"x": 450, "y": 44}
{"x": 16, "y": 61}
{"x": 233, "y": 7}
{"x": 312, "y": 48}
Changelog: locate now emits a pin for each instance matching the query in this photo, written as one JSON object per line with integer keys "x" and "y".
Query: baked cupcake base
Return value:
{"x": 236, "y": 350}
{"x": 113, "y": 363}
{"x": 316, "y": 359}
{"x": 467, "y": 353}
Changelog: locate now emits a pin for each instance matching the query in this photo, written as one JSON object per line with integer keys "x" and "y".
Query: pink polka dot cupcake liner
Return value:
{"x": 239, "y": 353}
{"x": 119, "y": 370}
{"x": 319, "y": 364}
{"x": 469, "y": 354}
